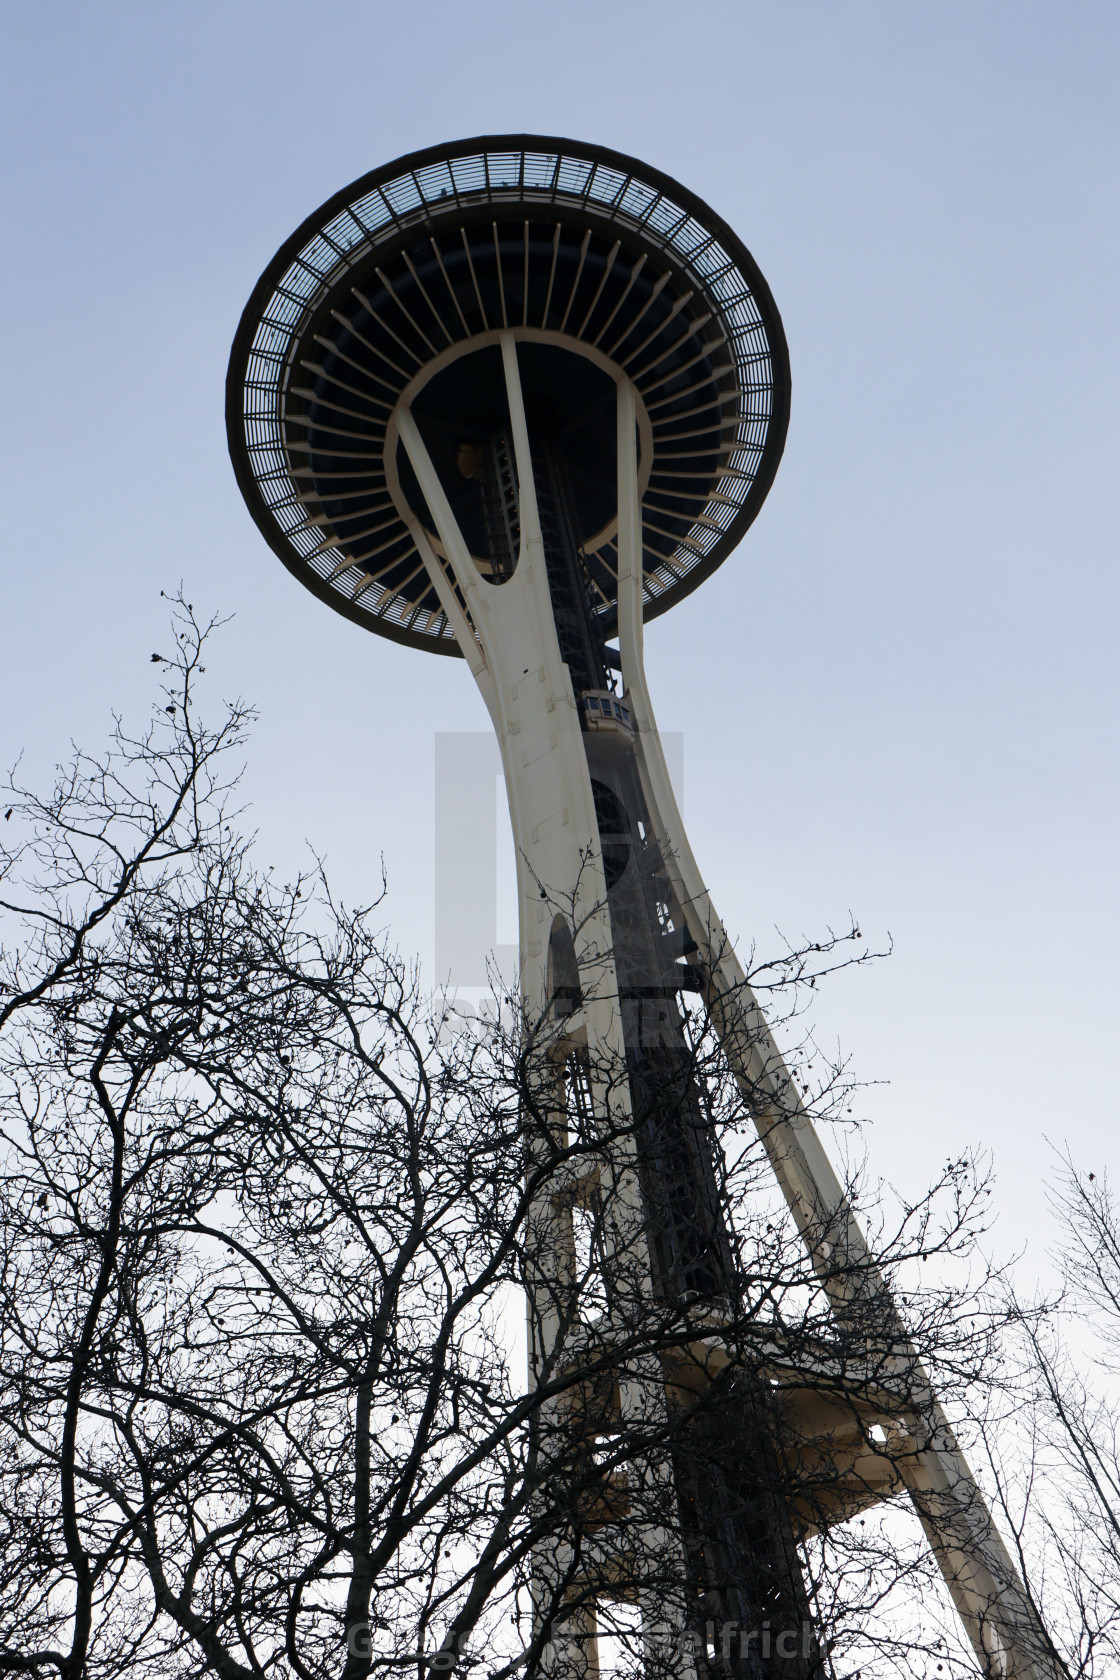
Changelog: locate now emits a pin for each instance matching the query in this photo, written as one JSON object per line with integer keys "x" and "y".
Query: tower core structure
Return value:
{"x": 505, "y": 400}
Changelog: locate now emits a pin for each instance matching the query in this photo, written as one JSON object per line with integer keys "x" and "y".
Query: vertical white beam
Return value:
{"x": 449, "y": 535}
{"x": 532, "y": 543}
{"x": 630, "y": 637}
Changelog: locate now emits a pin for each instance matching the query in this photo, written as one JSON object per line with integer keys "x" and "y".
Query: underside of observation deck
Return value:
{"x": 573, "y": 248}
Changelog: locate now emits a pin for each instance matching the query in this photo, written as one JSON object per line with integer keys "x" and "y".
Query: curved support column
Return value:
{"x": 510, "y": 642}
{"x": 1006, "y": 1632}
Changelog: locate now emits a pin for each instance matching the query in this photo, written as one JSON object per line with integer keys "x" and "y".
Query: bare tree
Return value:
{"x": 267, "y": 1224}
{"x": 1053, "y": 1430}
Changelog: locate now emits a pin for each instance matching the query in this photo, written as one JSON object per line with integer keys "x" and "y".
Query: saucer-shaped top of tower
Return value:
{"x": 398, "y": 290}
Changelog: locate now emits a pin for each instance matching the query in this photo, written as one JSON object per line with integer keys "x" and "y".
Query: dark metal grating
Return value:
{"x": 454, "y": 242}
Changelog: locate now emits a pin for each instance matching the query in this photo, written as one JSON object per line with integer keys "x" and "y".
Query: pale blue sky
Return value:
{"x": 899, "y": 695}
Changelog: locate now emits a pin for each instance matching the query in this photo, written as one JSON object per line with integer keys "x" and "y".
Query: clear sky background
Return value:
{"x": 897, "y": 697}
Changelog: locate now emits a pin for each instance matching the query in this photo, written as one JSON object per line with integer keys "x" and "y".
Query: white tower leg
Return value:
{"x": 510, "y": 642}
{"x": 1006, "y": 1633}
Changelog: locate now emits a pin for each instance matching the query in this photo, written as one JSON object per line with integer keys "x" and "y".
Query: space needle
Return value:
{"x": 505, "y": 400}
